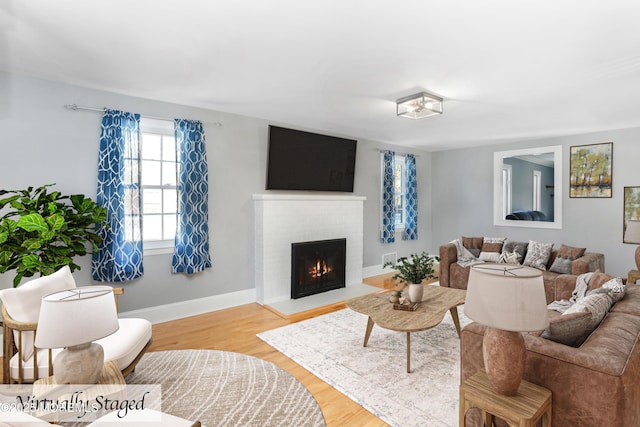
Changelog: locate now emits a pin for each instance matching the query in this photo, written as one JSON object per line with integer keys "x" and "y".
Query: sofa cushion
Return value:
{"x": 565, "y": 257}
{"x": 473, "y": 244}
{"x": 567, "y": 329}
{"x": 23, "y": 303}
{"x": 538, "y": 255}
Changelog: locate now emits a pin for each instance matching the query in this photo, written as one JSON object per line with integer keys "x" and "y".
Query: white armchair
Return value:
{"x": 24, "y": 363}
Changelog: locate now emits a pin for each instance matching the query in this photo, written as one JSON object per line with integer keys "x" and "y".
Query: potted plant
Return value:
{"x": 412, "y": 270}
{"x": 41, "y": 231}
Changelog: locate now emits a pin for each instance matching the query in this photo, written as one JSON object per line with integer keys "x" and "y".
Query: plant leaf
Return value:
{"x": 33, "y": 222}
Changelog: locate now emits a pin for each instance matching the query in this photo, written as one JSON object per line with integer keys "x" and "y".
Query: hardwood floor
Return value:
{"x": 235, "y": 329}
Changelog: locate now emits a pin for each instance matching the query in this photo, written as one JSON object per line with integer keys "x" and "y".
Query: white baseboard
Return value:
{"x": 178, "y": 310}
{"x": 375, "y": 270}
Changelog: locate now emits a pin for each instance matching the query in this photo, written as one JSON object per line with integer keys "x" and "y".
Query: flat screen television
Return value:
{"x": 299, "y": 160}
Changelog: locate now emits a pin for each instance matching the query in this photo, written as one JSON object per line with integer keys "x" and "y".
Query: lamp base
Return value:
{"x": 638, "y": 257}
{"x": 504, "y": 359}
{"x": 79, "y": 364}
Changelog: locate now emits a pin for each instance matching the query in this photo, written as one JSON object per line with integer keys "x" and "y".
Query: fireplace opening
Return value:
{"x": 317, "y": 267}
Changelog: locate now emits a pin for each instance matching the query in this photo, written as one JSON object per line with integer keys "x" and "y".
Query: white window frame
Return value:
{"x": 163, "y": 128}
{"x": 537, "y": 190}
{"x": 507, "y": 190}
{"x": 398, "y": 160}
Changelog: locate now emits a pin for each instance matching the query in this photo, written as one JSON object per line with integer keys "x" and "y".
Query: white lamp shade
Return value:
{"x": 76, "y": 316}
{"x": 507, "y": 297}
{"x": 632, "y": 231}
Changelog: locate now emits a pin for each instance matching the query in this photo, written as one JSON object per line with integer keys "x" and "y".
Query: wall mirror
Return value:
{"x": 527, "y": 187}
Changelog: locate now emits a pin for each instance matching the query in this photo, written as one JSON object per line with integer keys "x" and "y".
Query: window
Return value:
{"x": 158, "y": 184}
{"x": 399, "y": 189}
{"x": 506, "y": 190}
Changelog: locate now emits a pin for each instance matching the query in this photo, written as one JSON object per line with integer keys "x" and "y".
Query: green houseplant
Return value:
{"x": 412, "y": 270}
{"x": 41, "y": 231}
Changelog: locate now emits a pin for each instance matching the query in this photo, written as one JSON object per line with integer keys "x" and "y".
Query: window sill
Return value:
{"x": 158, "y": 247}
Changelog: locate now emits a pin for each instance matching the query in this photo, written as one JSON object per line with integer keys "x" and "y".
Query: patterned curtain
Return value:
{"x": 191, "y": 253}
{"x": 119, "y": 256}
{"x": 411, "y": 199}
{"x": 387, "y": 220}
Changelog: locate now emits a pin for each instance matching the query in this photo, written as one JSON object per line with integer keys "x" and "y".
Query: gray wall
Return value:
{"x": 463, "y": 195}
{"x": 44, "y": 143}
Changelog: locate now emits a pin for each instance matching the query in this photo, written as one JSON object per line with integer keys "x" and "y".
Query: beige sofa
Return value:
{"x": 454, "y": 276}
{"x": 595, "y": 384}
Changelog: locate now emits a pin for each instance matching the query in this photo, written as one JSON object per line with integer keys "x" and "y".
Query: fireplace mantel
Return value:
{"x": 283, "y": 219}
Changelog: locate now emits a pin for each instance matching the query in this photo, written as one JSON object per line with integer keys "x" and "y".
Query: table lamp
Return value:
{"x": 509, "y": 299}
{"x": 73, "y": 319}
{"x": 632, "y": 235}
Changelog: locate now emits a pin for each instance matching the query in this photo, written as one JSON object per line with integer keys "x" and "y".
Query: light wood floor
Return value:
{"x": 235, "y": 329}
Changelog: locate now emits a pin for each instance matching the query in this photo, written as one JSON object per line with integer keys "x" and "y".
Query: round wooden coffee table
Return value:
{"x": 435, "y": 303}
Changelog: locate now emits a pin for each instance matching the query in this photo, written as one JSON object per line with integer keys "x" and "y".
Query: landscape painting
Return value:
{"x": 590, "y": 170}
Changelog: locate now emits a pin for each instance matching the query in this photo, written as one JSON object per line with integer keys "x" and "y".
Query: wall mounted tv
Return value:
{"x": 301, "y": 160}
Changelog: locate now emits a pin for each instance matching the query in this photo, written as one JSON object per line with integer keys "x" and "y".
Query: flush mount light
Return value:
{"x": 418, "y": 106}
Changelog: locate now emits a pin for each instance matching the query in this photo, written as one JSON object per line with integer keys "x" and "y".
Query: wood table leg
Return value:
{"x": 456, "y": 321}
{"x": 367, "y": 334}
{"x": 408, "y": 352}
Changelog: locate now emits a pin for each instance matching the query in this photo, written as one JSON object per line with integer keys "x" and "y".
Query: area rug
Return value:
{"x": 221, "y": 388}
{"x": 330, "y": 346}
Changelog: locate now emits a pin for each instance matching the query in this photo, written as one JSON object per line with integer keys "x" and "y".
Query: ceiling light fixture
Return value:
{"x": 418, "y": 106}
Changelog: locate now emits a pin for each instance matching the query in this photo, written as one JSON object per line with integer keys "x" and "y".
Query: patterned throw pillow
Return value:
{"x": 509, "y": 258}
{"x": 491, "y": 248}
{"x": 568, "y": 328}
{"x": 538, "y": 255}
{"x": 518, "y": 247}
{"x": 473, "y": 244}
{"x": 566, "y": 255}
{"x": 616, "y": 287}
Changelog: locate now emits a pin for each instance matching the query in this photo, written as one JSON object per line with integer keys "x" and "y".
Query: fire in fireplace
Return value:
{"x": 317, "y": 267}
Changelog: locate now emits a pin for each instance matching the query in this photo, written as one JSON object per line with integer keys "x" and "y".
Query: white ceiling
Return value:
{"x": 507, "y": 69}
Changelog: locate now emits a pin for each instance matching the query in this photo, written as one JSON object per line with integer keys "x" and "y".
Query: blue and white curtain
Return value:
{"x": 119, "y": 256}
{"x": 387, "y": 220}
{"x": 411, "y": 199}
{"x": 191, "y": 253}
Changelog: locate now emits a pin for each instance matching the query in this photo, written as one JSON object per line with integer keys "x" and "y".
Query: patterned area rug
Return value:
{"x": 221, "y": 388}
{"x": 330, "y": 346}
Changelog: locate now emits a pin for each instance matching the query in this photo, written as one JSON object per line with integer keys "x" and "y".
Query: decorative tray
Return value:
{"x": 406, "y": 307}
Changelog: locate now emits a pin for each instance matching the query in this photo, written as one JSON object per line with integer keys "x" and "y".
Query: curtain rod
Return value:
{"x": 75, "y": 107}
{"x": 380, "y": 150}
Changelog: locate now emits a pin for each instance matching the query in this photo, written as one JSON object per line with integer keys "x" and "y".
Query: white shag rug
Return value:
{"x": 330, "y": 346}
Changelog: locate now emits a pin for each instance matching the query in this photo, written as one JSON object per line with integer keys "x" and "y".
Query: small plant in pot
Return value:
{"x": 41, "y": 231}
{"x": 412, "y": 270}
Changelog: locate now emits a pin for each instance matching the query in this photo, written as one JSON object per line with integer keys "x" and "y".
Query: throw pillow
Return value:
{"x": 568, "y": 328}
{"x": 491, "y": 248}
{"x": 518, "y": 247}
{"x": 473, "y": 244}
{"x": 561, "y": 265}
{"x": 616, "y": 287}
{"x": 538, "y": 255}
{"x": 566, "y": 255}
{"x": 509, "y": 258}
{"x": 596, "y": 304}
{"x": 23, "y": 303}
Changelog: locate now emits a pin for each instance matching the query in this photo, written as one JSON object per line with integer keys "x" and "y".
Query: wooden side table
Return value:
{"x": 529, "y": 405}
{"x": 633, "y": 276}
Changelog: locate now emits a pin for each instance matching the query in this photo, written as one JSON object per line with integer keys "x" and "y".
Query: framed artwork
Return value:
{"x": 590, "y": 170}
{"x": 631, "y": 220}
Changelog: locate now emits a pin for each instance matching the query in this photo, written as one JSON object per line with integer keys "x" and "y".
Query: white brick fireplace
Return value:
{"x": 283, "y": 219}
